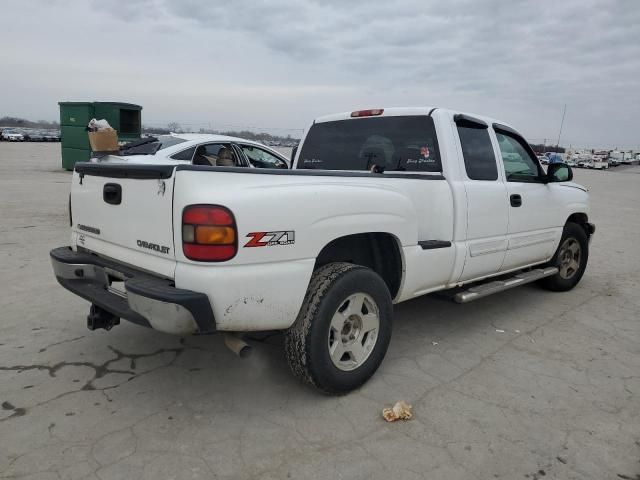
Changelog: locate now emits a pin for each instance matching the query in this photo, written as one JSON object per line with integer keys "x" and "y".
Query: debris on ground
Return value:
{"x": 499, "y": 330}
{"x": 400, "y": 411}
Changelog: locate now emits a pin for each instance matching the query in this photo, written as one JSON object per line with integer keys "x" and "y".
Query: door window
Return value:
{"x": 215, "y": 155}
{"x": 477, "y": 151}
{"x": 260, "y": 158}
{"x": 519, "y": 164}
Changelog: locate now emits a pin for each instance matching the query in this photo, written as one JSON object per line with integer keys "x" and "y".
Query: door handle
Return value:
{"x": 516, "y": 200}
{"x": 112, "y": 193}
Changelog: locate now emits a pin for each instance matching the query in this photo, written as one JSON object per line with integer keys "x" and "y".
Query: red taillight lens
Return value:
{"x": 209, "y": 233}
{"x": 368, "y": 113}
{"x": 207, "y": 215}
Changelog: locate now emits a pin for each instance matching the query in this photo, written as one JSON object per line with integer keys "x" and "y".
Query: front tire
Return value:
{"x": 343, "y": 329}
{"x": 571, "y": 259}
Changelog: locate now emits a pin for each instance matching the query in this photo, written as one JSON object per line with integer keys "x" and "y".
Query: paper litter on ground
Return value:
{"x": 400, "y": 411}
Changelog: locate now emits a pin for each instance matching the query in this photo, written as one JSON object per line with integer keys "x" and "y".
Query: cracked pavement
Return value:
{"x": 524, "y": 384}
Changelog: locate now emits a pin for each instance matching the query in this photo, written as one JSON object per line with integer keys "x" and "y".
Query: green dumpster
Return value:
{"x": 125, "y": 118}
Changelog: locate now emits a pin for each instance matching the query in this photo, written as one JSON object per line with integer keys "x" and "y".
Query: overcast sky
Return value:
{"x": 278, "y": 64}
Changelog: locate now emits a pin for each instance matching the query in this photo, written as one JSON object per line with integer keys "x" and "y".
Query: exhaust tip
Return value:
{"x": 237, "y": 345}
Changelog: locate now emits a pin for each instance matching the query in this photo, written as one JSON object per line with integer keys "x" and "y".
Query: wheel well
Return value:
{"x": 378, "y": 251}
{"x": 581, "y": 219}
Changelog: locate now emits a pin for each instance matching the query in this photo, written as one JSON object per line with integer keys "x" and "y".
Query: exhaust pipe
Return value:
{"x": 237, "y": 345}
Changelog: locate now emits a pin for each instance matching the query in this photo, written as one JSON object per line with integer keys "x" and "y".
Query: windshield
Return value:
{"x": 405, "y": 143}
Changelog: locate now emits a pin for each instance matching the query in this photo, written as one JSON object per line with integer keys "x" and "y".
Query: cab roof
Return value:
{"x": 409, "y": 111}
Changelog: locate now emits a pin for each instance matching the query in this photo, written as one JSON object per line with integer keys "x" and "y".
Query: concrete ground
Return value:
{"x": 526, "y": 384}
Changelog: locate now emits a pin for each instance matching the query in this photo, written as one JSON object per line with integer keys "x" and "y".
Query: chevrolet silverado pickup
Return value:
{"x": 379, "y": 206}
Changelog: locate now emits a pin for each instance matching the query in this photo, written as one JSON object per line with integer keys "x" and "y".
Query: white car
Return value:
{"x": 198, "y": 149}
{"x": 382, "y": 206}
{"x": 585, "y": 163}
{"x": 11, "y": 136}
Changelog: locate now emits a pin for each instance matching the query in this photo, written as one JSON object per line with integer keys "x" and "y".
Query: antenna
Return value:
{"x": 561, "y": 124}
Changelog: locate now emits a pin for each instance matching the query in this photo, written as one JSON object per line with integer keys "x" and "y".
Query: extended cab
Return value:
{"x": 380, "y": 206}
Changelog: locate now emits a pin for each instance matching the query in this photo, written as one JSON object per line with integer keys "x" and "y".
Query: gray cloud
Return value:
{"x": 282, "y": 62}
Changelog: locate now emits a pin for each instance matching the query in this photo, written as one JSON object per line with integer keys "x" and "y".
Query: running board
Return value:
{"x": 486, "y": 289}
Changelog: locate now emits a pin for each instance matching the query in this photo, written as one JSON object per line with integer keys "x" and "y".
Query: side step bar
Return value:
{"x": 486, "y": 289}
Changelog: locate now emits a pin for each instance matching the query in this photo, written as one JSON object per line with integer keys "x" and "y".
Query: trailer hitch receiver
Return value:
{"x": 100, "y": 318}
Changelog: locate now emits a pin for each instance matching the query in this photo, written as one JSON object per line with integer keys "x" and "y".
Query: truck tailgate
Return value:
{"x": 125, "y": 214}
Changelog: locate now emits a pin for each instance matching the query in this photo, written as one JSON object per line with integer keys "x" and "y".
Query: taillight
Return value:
{"x": 368, "y": 113}
{"x": 209, "y": 233}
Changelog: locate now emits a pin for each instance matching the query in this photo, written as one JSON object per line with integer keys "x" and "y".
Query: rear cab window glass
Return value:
{"x": 401, "y": 143}
{"x": 477, "y": 151}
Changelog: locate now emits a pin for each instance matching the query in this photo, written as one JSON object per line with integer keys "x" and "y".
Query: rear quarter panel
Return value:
{"x": 263, "y": 287}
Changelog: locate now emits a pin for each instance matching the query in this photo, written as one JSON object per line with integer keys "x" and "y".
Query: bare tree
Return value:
{"x": 174, "y": 127}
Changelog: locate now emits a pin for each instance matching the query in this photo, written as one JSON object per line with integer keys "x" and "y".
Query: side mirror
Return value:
{"x": 559, "y": 172}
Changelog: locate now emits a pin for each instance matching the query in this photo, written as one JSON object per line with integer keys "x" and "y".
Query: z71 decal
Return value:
{"x": 270, "y": 239}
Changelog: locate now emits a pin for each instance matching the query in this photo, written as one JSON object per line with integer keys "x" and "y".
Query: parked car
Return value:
{"x": 554, "y": 157}
{"x": 199, "y": 149}
{"x": 585, "y": 163}
{"x": 382, "y": 206}
{"x": 12, "y": 136}
{"x": 37, "y": 136}
{"x": 51, "y": 136}
{"x": 543, "y": 159}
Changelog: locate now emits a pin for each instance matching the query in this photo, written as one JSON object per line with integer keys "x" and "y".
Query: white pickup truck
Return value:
{"x": 380, "y": 206}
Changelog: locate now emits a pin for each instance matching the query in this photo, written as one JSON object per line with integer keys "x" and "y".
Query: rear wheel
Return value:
{"x": 343, "y": 329}
{"x": 570, "y": 259}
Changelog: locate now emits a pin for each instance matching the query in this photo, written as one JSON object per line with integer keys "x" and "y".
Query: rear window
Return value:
{"x": 168, "y": 141}
{"x": 394, "y": 143}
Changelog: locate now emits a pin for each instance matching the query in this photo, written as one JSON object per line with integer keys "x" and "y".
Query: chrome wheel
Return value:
{"x": 569, "y": 258}
{"x": 353, "y": 332}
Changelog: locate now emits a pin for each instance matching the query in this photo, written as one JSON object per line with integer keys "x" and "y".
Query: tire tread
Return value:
{"x": 296, "y": 347}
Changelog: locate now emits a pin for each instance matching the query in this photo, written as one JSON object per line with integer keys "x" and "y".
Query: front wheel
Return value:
{"x": 343, "y": 329}
{"x": 570, "y": 259}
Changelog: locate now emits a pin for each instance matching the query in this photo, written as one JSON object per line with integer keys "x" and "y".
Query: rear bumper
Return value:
{"x": 149, "y": 301}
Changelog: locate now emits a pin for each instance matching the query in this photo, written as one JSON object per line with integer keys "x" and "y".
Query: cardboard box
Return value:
{"x": 104, "y": 141}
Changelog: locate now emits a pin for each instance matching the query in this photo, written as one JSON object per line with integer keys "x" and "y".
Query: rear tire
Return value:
{"x": 343, "y": 329}
{"x": 571, "y": 259}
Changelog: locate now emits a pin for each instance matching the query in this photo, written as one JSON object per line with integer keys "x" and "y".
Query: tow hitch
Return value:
{"x": 100, "y": 318}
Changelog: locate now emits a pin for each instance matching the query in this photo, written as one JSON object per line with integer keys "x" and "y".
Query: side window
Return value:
{"x": 519, "y": 165}
{"x": 185, "y": 154}
{"x": 477, "y": 151}
{"x": 215, "y": 155}
{"x": 260, "y": 158}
